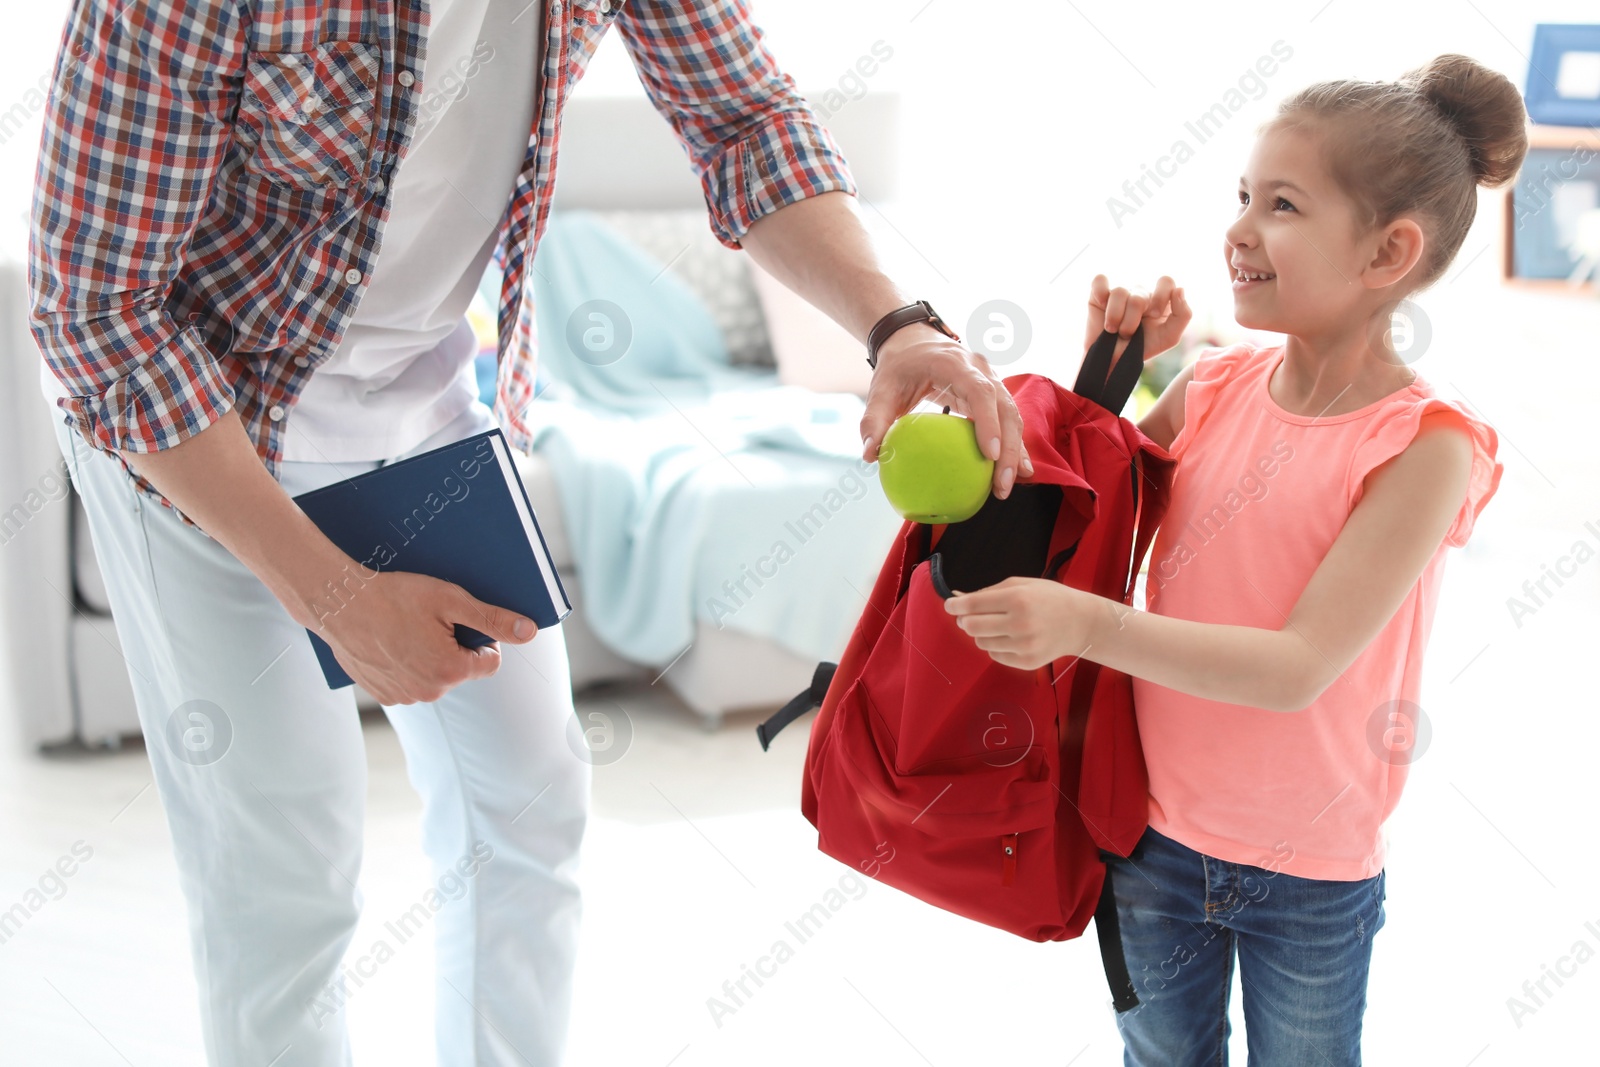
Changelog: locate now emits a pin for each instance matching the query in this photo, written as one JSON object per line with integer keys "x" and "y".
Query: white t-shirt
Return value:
{"x": 404, "y": 368}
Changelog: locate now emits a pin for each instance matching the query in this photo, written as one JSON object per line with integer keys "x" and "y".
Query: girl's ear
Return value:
{"x": 1398, "y": 249}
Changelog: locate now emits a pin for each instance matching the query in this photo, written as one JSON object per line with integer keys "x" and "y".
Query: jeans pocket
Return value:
{"x": 67, "y": 441}
{"x": 1380, "y": 893}
{"x": 307, "y": 118}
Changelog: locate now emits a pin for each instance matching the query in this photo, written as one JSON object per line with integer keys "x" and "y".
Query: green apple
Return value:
{"x": 932, "y": 469}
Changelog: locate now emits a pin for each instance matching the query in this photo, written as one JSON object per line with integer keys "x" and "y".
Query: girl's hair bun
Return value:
{"x": 1483, "y": 106}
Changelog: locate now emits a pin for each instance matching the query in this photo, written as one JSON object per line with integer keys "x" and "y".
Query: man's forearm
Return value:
{"x": 1246, "y": 665}
{"x": 216, "y": 478}
{"x": 818, "y": 248}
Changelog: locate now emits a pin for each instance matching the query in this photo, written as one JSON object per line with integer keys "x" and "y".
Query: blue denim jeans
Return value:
{"x": 1303, "y": 945}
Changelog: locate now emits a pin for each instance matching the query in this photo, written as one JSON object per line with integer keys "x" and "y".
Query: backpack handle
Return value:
{"x": 1111, "y": 391}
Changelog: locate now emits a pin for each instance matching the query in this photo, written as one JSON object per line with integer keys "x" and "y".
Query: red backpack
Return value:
{"x": 993, "y": 792}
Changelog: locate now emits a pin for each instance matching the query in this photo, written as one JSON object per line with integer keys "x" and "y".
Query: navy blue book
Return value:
{"x": 458, "y": 513}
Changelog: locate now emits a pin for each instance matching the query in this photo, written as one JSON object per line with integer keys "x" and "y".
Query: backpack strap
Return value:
{"x": 816, "y": 694}
{"x": 803, "y": 702}
{"x": 1109, "y": 932}
{"x": 1111, "y": 391}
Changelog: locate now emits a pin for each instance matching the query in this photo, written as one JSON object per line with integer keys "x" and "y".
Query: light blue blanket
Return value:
{"x": 693, "y": 490}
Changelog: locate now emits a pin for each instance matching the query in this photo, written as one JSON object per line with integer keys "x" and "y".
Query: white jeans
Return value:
{"x": 262, "y": 774}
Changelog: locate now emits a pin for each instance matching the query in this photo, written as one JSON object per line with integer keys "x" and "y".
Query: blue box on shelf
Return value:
{"x": 1564, "y": 75}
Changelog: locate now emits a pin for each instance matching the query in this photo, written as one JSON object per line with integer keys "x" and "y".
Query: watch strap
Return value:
{"x": 921, "y": 311}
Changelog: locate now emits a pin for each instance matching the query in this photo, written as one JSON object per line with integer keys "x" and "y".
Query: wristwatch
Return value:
{"x": 921, "y": 311}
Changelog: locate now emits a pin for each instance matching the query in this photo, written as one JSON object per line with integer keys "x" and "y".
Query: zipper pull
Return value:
{"x": 1008, "y": 863}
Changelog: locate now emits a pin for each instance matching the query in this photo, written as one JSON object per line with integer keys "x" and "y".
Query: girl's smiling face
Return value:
{"x": 1293, "y": 253}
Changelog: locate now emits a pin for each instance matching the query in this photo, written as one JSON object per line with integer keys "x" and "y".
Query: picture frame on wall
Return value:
{"x": 1552, "y": 212}
{"x": 1563, "y": 87}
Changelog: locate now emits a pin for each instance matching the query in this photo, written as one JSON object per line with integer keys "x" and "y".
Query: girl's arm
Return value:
{"x": 1165, "y": 417}
{"x": 1408, "y": 506}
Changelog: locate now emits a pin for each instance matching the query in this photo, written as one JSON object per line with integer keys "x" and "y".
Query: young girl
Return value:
{"x": 1292, "y": 585}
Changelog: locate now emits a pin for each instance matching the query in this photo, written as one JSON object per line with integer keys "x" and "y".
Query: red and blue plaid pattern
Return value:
{"x": 213, "y": 184}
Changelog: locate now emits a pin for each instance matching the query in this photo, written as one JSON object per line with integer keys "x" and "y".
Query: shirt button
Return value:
{"x": 276, "y": 413}
{"x": 301, "y": 361}
{"x": 352, "y": 276}
{"x": 407, "y": 79}
{"x": 605, "y": 7}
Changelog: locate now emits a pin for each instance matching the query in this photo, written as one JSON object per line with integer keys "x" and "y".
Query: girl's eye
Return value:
{"x": 1280, "y": 205}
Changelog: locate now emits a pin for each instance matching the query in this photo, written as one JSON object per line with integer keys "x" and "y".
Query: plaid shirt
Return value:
{"x": 214, "y": 178}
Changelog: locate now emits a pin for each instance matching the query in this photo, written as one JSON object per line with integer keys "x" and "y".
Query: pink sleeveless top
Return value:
{"x": 1258, "y": 497}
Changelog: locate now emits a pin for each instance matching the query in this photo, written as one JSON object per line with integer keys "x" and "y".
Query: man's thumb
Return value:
{"x": 882, "y": 409}
{"x": 495, "y": 622}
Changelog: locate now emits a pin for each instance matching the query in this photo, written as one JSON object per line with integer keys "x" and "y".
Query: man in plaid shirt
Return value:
{"x": 216, "y": 181}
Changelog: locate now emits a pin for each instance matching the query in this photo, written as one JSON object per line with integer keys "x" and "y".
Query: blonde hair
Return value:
{"x": 1418, "y": 146}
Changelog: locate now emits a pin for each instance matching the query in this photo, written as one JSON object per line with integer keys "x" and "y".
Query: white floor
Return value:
{"x": 698, "y": 855}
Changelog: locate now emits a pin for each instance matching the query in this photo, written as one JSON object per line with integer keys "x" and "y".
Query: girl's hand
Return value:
{"x": 1029, "y": 622}
{"x": 1165, "y": 314}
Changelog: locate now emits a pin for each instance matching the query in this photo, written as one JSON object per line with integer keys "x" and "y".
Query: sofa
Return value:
{"x": 618, "y": 159}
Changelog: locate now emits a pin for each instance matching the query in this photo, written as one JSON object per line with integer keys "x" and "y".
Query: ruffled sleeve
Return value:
{"x": 1397, "y": 426}
{"x": 1213, "y": 368}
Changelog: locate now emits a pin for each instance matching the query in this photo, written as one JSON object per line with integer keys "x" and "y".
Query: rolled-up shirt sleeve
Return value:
{"x": 754, "y": 142}
{"x": 138, "y": 122}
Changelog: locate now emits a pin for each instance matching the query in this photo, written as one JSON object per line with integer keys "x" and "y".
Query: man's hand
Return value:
{"x": 1029, "y": 622}
{"x": 919, "y": 363}
{"x": 1165, "y": 314}
{"x": 394, "y": 633}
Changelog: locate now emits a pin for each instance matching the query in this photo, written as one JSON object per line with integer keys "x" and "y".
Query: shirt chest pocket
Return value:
{"x": 306, "y": 119}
